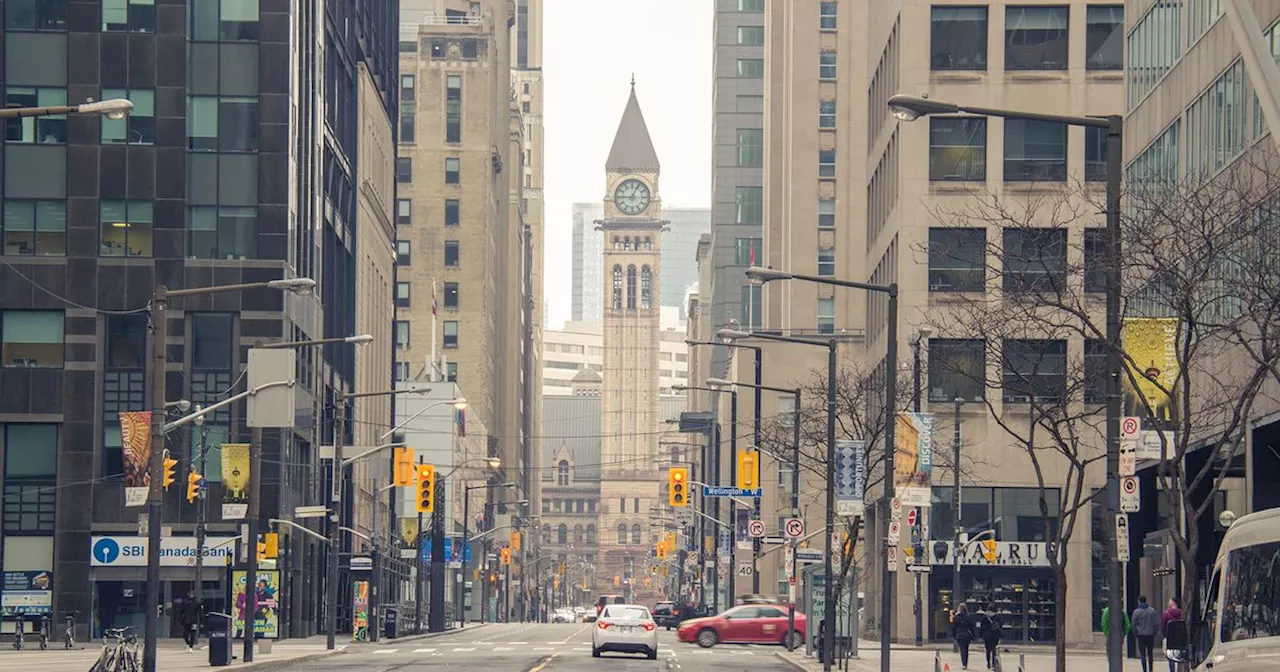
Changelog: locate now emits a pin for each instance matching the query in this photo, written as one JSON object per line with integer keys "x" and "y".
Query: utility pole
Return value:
{"x": 251, "y": 542}
{"x": 755, "y": 433}
{"x": 733, "y": 502}
{"x": 435, "y": 615}
{"x": 202, "y": 506}
{"x": 155, "y": 496}
{"x": 957, "y": 590}
{"x": 335, "y": 518}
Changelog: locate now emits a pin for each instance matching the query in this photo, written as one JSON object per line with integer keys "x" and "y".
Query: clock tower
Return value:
{"x": 632, "y": 227}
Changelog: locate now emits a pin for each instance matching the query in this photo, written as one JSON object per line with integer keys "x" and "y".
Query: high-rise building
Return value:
{"x": 244, "y": 160}
{"x": 685, "y": 226}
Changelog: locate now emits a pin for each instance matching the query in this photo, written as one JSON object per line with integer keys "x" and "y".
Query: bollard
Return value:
{"x": 1022, "y": 662}
{"x": 937, "y": 660}
{"x": 995, "y": 663}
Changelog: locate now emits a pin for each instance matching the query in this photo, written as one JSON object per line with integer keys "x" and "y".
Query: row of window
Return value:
{"x": 452, "y": 170}
{"x": 646, "y": 287}
{"x": 1030, "y": 369}
{"x": 208, "y": 20}
{"x": 449, "y": 330}
{"x": 1035, "y": 37}
{"x": 39, "y": 228}
{"x": 452, "y": 212}
{"x": 453, "y": 109}
{"x": 581, "y": 535}
{"x": 1033, "y": 259}
{"x": 1034, "y": 151}
{"x": 403, "y": 372}
{"x": 553, "y": 505}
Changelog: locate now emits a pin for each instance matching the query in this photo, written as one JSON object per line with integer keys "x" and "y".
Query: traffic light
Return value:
{"x": 671, "y": 541}
{"x": 748, "y": 469}
{"x": 678, "y": 486}
{"x": 662, "y": 550}
{"x": 515, "y": 540}
{"x": 170, "y": 470}
{"x": 402, "y": 473}
{"x": 271, "y": 541}
{"x": 426, "y": 488}
{"x": 262, "y": 549}
{"x": 506, "y": 555}
{"x": 989, "y": 550}
{"x": 193, "y": 486}
{"x": 617, "y": 580}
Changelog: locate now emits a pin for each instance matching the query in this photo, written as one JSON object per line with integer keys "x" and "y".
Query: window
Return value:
{"x": 636, "y": 504}
{"x": 36, "y": 228}
{"x": 404, "y": 170}
{"x": 451, "y": 254}
{"x": 126, "y": 341}
{"x": 450, "y": 333}
{"x": 827, "y": 213}
{"x": 408, "y": 128}
{"x": 579, "y": 535}
{"x": 827, "y": 15}
{"x": 402, "y": 294}
{"x": 211, "y": 346}
{"x": 30, "y": 475}
{"x": 746, "y": 250}
{"x": 1095, "y": 371}
{"x": 126, "y": 228}
{"x": 755, "y": 6}
{"x": 631, "y": 288}
{"x": 451, "y": 295}
{"x": 827, "y": 316}
{"x": 617, "y": 288}
{"x": 452, "y": 171}
{"x": 45, "y": 129}
{"x": 562, "y": 533}
{"x": 826, "y": 163}
{"x": 31, "y": 338}
{"x": 408, "y": 84}
{"x": 402, "y": 334}
{"x": 1155, "y": 44}
{"x": 1035, "y": 38}
{"x": 827, "y": 261}
{"x": 750, "y": 147}
{"x": 751, "y": 67}
{"x": 622, "y": 533}
{"x": 751, "y": 306}
{"x": 562, "y": 473}
{"x": 403, "y": 249}
{"x": 826, "y": 114}
{"x": 546, "y": 506}
{"x": 404, "y": 212}
{"x": 1095, "y": 154}
{"x": 635, "y": 533}
{"x": 1248, "y": 607}
{"x": 222, "y": 232}
{"x": 646, "y": 288}
{"x": 35, "y": 15}
{"x": 1104, "y": 37}
{"x": 957, "y": 260}
{"x": 591, "y": 530}
{"x": 751, "y": 35}
{"x": 622, "y": 505}
{"x": 750, "y": 204}
{"x": 1034, "y": 259}
{"x": 1095, "y": 260}
{"x": 957, "y": 149}
{"x": 439, "y": 48}
{"x": 226, "y": 124}
{"x": 451, "y": 372}
{"x": 1034, "y": 150}
{"x": 1216, "y": 123}
{"x": 139, "y": 127}
{"x": 225, "y": 20}
{"x": 826, "y": 65}
{"x": 958, "y": 38}
{"x": 1034, "y": 369}
{"x": 470, "y": 48}
{"x": 451, "y": 212}
{"x": 957, "y": 369}
{"x": 453, "y": 109}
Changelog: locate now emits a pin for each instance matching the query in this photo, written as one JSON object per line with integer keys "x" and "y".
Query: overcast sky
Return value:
{"x": 590, "y": 50}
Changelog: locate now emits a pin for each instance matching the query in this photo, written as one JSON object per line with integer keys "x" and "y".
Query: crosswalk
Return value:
{"x": 515, "y": 648}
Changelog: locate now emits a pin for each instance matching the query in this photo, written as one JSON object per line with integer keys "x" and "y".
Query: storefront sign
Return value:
{"x": 266, "y": 618}
{"x": 1008, "y": 554}
{"x": 123, "y": 551}
{"x": 27, "y": 593}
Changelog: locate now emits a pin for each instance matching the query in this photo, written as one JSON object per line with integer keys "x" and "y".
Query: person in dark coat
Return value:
{"x": 1146, "y": 625}
{"x": 990, "y": 631}
{"x": 189, "y": 618}
{"x": 962, "y": 629}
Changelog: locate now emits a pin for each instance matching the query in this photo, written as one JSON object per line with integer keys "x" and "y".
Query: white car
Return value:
{"x": 625, "y": 628}
{"x": 562, "y": 616}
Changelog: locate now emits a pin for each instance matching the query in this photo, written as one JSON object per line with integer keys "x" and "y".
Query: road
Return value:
{"x": 516, "y": 647}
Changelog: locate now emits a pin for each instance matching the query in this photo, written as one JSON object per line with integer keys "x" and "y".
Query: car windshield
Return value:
{"x": 626, "y": 613}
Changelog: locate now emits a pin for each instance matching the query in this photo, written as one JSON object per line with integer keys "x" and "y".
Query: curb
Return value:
{"x": 428, "y": 635}
{"x": 791, "y": 664}
{"x": 289, "y": 662}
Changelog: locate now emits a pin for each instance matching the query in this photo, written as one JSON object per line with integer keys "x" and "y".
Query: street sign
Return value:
{"x": 895, "y": 509}
{"x": 1128, "y": 458}
{"x": 1130, "y": 498}
{"x": 895, "y": 533}
{"x": 791, "y": 566}
{"x": 310, "y": 511}
{"x": 892, "y": 558}
{"x": 684, "y": 516}
{"x": 773, "y": 540}
{"x": 920, "y": 569}
{"x": 1130, "y": 427}
{"x": 851, "y": 477}
{"x": 808, "y": 555}
{"x": 360, "y": 563}
{"x": 795, "y": 528}
{"x": 745, "y": 570}
{"x": 755, "y": 528}
{"x": 913, "y": 514}
{"x": 1122, "y": 537}
{"x": 720, "y": 491}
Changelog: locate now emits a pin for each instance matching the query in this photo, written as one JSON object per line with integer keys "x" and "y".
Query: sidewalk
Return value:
{"x": 922, "y": 660}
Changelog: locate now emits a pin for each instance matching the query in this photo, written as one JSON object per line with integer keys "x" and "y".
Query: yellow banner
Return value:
{"x": 235, "y": 479}
{"x": 409, "y": 530}
{"x": 135, "y": 441}
{"x": 1151, "y": 344}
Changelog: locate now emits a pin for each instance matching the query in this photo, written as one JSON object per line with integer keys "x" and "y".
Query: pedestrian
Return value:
{"x": 189, "y": 619}
{"x": 1146, "y": 624}
{"x": 1172, "y": 613}
{"x": 1106, "y": 622}
{"x": 962, "y": 630}
{"x": 990, "y": 630}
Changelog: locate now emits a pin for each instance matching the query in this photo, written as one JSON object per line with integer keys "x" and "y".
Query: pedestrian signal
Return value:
{"x": 426, "y": 488}
{"x": 403, "y": 471}
{"x": 678, "y": 486}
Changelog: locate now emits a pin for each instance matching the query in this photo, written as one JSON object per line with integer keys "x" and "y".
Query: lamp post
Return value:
{"x": 461, "y": 607}
{"x": 917, "y": 339}
{"x": 155, "y": 394}
{"x": 910, "y": 108}
{"x": 710, "y": 475}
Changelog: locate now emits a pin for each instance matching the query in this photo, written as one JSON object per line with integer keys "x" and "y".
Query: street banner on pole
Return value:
{"x": 235, "y": 480}
{"x": 1151, "y": 344}
{"x": 135, "y": 440}
{"x": 851, "y": 477}
{"x": 360, "y": 611}
{"x": 913, "y": 458}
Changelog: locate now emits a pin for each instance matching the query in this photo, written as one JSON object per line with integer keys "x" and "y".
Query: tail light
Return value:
{"x": 649, "y": 627}
{"x": 602, "y": 624}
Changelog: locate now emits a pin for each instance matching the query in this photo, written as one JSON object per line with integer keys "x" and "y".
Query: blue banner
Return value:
{"x": 449, "y": 545}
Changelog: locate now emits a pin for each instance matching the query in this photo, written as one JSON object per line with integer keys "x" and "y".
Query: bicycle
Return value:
{"x": 119, "y": 652}
{"x": 69, "y": 631}
{"x": 19, "y": 626}
{"x": 46, "y": 623}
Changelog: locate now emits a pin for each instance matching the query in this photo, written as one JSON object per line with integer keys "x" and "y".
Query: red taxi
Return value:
{"x": 745, "y": 624}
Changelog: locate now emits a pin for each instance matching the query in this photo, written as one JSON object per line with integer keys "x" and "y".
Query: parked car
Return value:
{"x": 625, "y": 628}
{"x": 746, "y": 624}
{"x": 666, "y": 615}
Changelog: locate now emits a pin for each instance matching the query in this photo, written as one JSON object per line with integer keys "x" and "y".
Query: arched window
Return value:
{"x": 546, "y": 534}
{"x": 631, "y": 288}
{"x": 617, "y": 287}
{"x": 648, "y": 244}
{"x": 635, "y": 533}
{"x": 646, "y": 288}
{"x": 626, "y": 243}
{"x": 578, "y": 534}
{"x": 562, "y": 534}
{"x": 622, "y": 533}
{"x": 591, "y": 534}
{"x": 616, "y": 244}
{"x": 562, "y": 475}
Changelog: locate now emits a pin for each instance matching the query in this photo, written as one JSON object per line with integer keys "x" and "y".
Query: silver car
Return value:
{"x": 625, "y": 628}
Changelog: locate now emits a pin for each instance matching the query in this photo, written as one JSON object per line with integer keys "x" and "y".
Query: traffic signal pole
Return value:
{"x": 251, "y": 543}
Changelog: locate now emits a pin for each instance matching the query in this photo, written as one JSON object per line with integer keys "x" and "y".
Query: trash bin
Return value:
{"x": 391, "y": 623}
{"x": 218, "y": 628}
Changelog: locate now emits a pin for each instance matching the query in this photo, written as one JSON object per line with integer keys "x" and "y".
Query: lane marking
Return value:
{"x": 384, "y": 651}
{"x": 424, "y": 650}
{"x": 461, "y": 649}
{"x": 579, "y": 631}
{"x": 543, "y": 663}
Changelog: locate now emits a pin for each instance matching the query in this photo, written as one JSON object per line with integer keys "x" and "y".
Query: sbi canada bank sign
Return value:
{"x": 120, "y": 551}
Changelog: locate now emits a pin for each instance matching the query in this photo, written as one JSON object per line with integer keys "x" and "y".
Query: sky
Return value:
{"x": 590, "y": 50}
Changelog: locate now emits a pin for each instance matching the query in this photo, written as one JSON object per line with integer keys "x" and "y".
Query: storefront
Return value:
{"x": 119, "y": 575}
{"x": 1019, "y": 584}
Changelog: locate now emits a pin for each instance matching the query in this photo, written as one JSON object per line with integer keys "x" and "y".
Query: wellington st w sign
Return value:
{"x": 1008, "y": 554}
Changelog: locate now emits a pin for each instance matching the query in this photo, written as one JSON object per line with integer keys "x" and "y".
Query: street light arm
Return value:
{"x": 357, "y": 534}
{"x": 909, "y": 108}
{"x": 296, "y": 285}
{"x": 306, "y": 531}
{"x": 767, "y": 274}
{"x": 359, "y": 339}
{"x": 459, "y": 404}
{"x": 371, "y": 451}
{"x": 384, "y": 393}
{"x": 170, "y": 426}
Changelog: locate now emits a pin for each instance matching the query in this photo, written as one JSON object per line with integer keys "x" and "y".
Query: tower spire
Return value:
{"x": 632, "y": 149}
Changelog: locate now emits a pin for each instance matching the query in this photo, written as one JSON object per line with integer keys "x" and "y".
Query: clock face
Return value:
{"x": 632, "y": 197}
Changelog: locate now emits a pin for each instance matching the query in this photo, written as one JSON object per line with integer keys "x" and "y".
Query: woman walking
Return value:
{"x": 962, "y": 630}
{"x": 990, "y": 630}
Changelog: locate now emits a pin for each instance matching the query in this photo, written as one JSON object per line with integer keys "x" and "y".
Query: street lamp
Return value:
{"x": 917, "y": 341}
{"x": 909, "y": 108}
{"x": 717, "y": 384}
{"x": 114, "y": 109}
{"x": 710, "y": 458}
{"x": 156, "y": 386}
{"x": 461, "y": 606}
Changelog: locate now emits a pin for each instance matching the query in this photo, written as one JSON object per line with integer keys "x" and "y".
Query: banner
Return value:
{"x": 851, "y": 477}
{"x": 266, "y": 619}
{"x": 409, "y": 530}
{"x": 1151, "y": 344}
{"x": 235, "y": 480}
{"x": 913, "y": 458}
{"x": 360, "y": 611}
{"x": 135, "y": 446}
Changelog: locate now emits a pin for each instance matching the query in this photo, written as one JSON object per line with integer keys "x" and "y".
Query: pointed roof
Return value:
{"x": 632, "y": 149}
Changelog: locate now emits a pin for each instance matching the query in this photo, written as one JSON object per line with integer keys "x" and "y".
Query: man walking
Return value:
{"x": 189, "y": 619}
{"x": 1146, "y": 624}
